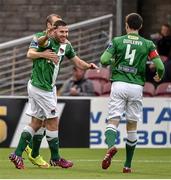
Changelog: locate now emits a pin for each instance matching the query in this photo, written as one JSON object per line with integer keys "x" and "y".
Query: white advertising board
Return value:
{"x": 153, "y": 131}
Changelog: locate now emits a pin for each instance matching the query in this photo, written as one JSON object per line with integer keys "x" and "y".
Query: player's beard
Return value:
{"x": 61, "y": 39}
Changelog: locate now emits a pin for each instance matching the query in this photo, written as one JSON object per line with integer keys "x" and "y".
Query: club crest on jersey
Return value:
{"x": 61, "y": 51}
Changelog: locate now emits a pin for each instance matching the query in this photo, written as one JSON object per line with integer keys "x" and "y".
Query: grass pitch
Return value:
{"x": 147, "y": 164}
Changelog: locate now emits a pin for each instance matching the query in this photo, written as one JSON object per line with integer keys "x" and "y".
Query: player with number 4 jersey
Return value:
{"x": 130, "y": 53}
{"x": 127, "y": 55}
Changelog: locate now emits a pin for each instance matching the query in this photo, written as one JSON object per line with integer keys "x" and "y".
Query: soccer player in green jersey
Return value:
{"x": 127, "y": 56}
{"x": 32, "y": 149}
{"x": 42, "y": 94}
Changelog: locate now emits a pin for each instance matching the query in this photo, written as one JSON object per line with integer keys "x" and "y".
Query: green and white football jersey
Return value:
{"x": 130, "y": 53}
{"x": 44, "y": 71}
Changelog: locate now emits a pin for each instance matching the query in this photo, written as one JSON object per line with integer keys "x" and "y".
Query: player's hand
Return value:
{"x": 93, "y": 66}
{"x": 48, "y": 54}
{"x": 157, "y": 78}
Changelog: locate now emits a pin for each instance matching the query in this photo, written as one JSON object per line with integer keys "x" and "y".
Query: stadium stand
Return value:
{"x": 97, "y": 87}
{"x": 99, "y": 78}
{"x": 163, "y": 89}
{"x": 149, "y": 90}
{"x": 106, "y": 89}
{"x": 101, "y": 75}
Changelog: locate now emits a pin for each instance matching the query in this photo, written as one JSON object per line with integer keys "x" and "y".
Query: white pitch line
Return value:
{"x": 98, "y": 160}
{"x": 144, "y": 161}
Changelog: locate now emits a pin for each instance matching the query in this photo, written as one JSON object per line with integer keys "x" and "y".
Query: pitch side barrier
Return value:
{"x": 82, "y": 122}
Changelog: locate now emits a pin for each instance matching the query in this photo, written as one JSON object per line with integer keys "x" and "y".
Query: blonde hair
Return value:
{"x": 49, "y": 18}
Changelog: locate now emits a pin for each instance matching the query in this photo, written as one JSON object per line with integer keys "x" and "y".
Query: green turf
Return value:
{"x": 147, "y": 164}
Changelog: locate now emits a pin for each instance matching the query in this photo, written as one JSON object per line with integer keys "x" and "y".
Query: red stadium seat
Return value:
{"x": 97, "y": 87}
{"x": 149, "y": 90}
{"x": 163, "y": 89}
{"x": 106, "y": 89}
{"x": 102, "y": 75}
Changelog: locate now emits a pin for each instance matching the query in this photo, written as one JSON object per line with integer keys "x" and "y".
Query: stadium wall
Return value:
{"x": 21, "y": 18}
{"x": 82, "y": 122}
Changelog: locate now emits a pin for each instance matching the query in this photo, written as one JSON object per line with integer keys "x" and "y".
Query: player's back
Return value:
{"x": 130, "y": 53}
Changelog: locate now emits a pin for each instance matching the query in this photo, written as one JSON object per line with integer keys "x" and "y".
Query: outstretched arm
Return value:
{"x": 82, "y": 64}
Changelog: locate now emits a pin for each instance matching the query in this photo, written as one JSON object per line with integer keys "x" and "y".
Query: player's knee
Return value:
{"x": 52, "y": 124}
{"x": 131, "y": 125}
{"x": 114, "y": 121}
{"x": 36, "y": 124}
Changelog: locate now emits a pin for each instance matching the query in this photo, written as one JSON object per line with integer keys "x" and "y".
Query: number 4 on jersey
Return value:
{"x": 130, "y": 54}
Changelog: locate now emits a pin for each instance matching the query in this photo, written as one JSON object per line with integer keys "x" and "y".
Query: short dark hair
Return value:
{"x": 59, "y": 23}
{"x": 49, "y": 18}
{"x": 134, "y": 21}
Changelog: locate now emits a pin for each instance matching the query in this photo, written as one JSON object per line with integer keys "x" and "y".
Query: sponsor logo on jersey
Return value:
{"x": 110, "y": 45}
{"x": 61, "y": 51}
{"x": 133, "y": 37}
{"x": 127, "y": 69}
{"x": 130, "y": 41}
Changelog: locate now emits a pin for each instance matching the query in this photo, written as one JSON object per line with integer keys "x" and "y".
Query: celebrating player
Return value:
{"x": 127, "y": 56}
{"x": 33, "y": 147}
{"x": 42, "y": 93}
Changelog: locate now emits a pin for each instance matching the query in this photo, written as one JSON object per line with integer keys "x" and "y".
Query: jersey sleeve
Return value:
{"x": 111, "y": 47}
{"x": 105, "y": 58}
{"x": 34, "y": 41}
{"x": 152, "y": 51}
{"x": 70, "y": 53}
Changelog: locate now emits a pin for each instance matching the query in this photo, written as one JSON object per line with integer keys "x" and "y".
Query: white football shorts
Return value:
{"x": 125, "y": 98}
{"x": 42, "y": 104}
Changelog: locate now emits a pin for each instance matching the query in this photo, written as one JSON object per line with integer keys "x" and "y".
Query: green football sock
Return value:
{"x": 31, "y": 143}
{"x": 36, "y": 142}
{"x": 110, "y": 138}
{"x": 23, "y": 142}
{"x": 129, "y": 153}
{"x": 54, "y": 148}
